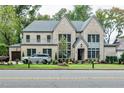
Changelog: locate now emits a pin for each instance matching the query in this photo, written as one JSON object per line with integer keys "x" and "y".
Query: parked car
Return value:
{"x": 37, "y": 58}
{"x": 4, "y": 58}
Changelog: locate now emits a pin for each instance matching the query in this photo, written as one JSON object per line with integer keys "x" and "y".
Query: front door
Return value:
{"x": 80, "y": 54}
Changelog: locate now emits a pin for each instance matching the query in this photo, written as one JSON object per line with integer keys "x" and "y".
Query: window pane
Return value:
{"x": 28, "y": 52}
{"x": 68, "y": 37}
{"x": 48, "y": 38}
{"x": 93, "y": 38}
{"x": 64, "y": 54}
{"x": 89, "y": 54}
{"x": 97, "y": 54}
{"x": 64, "y": 36}
{"x": 33, "y": 51}
{"x": 93, "y": 49}
{"x": 97, "y": 38}
{"x": 44, "y": 51}
{"x": 69, "y": 46}
{"x": 93, "y": 54}
{"x": 68, "y": 54}
{"x": 89, "y": 38}
{"x": 27, "y": 38}
{"x": 60, "y": 54}
{"x": 50, "y": 52}
{"x": 97, "y": 49}
{"x": 89, "y": 49}
{"x": 38, "y": 38}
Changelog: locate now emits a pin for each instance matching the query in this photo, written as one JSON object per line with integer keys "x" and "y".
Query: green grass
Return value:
{"x": 72, "y": 66}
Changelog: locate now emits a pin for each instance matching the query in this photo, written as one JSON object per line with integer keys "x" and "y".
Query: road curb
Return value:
{"x": 61, "y": 69}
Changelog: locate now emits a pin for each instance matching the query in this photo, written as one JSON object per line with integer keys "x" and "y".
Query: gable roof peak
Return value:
{"x": 89, "y": 20}
{"x": 65, "y": 16}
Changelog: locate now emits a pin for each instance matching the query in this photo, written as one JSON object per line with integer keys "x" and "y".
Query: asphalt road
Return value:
{"x": 61, "y": 79}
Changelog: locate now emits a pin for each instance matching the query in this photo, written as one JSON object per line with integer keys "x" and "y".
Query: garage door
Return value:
{"x": 16, "y": 55}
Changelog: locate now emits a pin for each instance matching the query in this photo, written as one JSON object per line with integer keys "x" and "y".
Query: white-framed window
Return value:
{"x": 93, "y": 52}
{"x": 47, "y": 51}
{"x": 31, "y": 51}
{"x": 27, "y": 38}
{"x": 38, "y": 38}
{"x": 93, "y": 37}
{"x": 48, "y": 38}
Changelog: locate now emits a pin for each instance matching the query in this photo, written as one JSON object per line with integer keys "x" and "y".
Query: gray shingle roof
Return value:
{"x": 41, "y": 26}
{"x": 51, "y": 24}
{"x": 80, "y": 38}
{"x": 77, "y": 25}
{"x": 15, "y": 46}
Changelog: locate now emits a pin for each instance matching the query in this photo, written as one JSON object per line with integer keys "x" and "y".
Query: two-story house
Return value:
{"x": 84, "y": 40}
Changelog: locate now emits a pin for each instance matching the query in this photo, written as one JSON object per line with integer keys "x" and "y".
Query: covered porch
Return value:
{"x": 80, "y": 49}
{"x": 15, "y": 52}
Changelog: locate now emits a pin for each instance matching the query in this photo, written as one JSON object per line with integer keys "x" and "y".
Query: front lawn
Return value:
{"x": 71, "y": 66}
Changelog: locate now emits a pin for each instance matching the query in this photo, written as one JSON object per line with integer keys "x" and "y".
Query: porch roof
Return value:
{"x": 15, "y": 46}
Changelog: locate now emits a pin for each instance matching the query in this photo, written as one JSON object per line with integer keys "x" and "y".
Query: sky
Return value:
{"x": 52, "y": 9}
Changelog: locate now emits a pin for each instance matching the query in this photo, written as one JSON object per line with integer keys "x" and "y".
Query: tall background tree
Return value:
{"x": 80, "y": 12}
{"x": 26, "y": 14}
{"x": 60, "y": 14}
{"x": 43, "y": 17}
{"x": 111, "y": 20}
{"x": 8, "y": 25}
{"x": 13, "y": 18}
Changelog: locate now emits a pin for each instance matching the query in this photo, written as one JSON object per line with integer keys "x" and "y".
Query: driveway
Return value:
{"x": 62, "y": 78}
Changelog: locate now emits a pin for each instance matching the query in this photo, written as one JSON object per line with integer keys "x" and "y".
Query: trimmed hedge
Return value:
{"x": 111, "y": 59}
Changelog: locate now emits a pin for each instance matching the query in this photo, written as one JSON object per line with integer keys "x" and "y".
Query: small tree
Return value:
{"x": 63, "y": 46}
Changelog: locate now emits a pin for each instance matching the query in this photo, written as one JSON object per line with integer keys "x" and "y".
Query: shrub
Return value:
{"x": 67, "y": 60}
{"x": 76, "y": 62}
{"x": 54, "y": 62}
{"x": 60, "y": 61}
{"x": 10, "y": 63}
{"x": 70, "y": 62}
{"x": 111, "y": 59}
{"x": 82, "y": 62}
{"x": 73, "y": 60}
{"x": 86, "y": 61}
{"x": 122, "y": 57}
